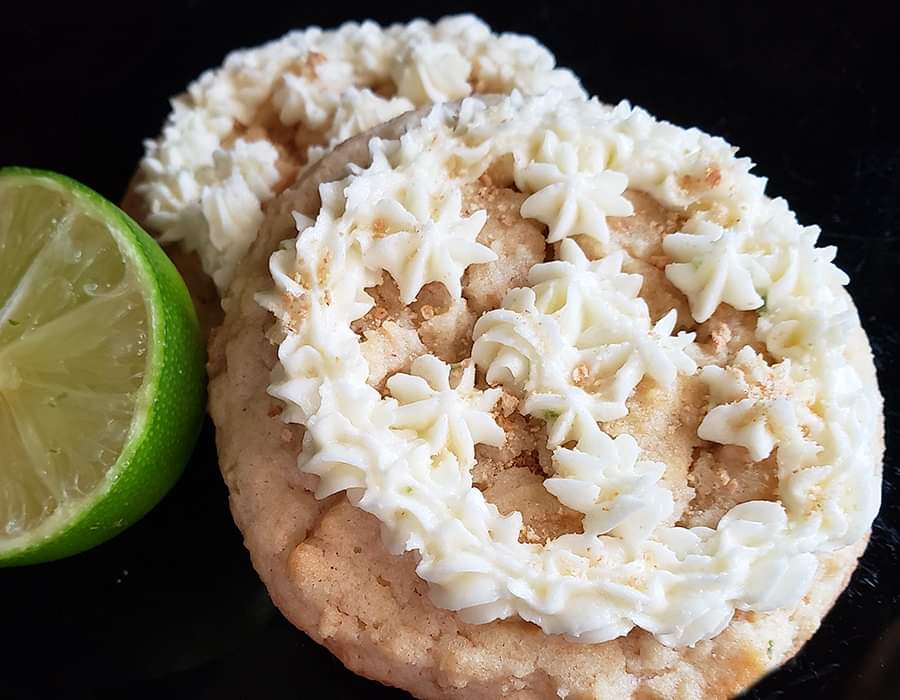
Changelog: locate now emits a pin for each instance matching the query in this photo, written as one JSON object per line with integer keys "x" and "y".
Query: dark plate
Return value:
{"x": 172, "y": 608}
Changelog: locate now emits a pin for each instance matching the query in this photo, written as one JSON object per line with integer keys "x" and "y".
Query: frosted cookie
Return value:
{"x": 534, "y": 397}
{"x": 240, "y": 133}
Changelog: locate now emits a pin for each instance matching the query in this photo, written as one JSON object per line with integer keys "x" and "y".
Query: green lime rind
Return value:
{"x": 170, "y": 407}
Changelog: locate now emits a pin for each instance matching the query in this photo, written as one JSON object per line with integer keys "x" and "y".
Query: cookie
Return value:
{"x": 242, "y": 132}
{"x": 535, "y": 397}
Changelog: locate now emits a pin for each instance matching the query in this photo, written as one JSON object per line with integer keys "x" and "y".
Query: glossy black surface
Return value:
{"x": 172, "y": 608}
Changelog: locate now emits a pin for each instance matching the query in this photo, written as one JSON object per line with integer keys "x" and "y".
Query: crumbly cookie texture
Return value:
{"x": 327, "y": 567}
{"x": 240, "y": 133}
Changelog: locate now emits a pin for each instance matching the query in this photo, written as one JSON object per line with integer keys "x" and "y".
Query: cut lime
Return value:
{"x": 101, "y": 369}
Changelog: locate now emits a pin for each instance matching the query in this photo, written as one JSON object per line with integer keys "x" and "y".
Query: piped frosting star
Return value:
{"x": 426, "y": 249}
{"x": 451, "y": 419}
{"x": 569, "y": 289}
{"x": 710, "y": 268}
{"x": 568, "y": 199}
{"x": 301, "y": 98}
{"x": 754, "y": 405}
{"x": 431, "y": 72}
{"x": 604, "y": 479}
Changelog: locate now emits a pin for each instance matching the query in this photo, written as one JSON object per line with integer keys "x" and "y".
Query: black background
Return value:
{"x": 171, "y": 608}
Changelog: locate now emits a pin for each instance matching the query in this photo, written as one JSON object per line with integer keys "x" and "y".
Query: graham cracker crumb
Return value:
{"x": 711, "y": 178}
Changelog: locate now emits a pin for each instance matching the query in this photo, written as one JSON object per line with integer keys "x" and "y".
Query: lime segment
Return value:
{"x": 101, "y": 369}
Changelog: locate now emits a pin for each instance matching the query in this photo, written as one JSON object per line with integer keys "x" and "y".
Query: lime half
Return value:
{"x": 101, "y": 369}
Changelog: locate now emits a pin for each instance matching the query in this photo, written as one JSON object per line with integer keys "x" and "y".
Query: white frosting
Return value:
{"x": 516, "y": 62}
{"x": 619, "y": 495}
{"x": 320, "y": 85}
{"x": 754, "y": 405}
{"x": 358, "y": 111}
{"x": 431, "y": 71}
{"x": 567, "y": 197}
{"x": 450, "y": 420}
{"x": 300, "y": 99}
{"x": 710, "y": 268}
{"x": 419, "y": 247}
{"x": 224, "y": 204}
{"x": 573, "y": 345}
{"x": 577, "y": 343}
